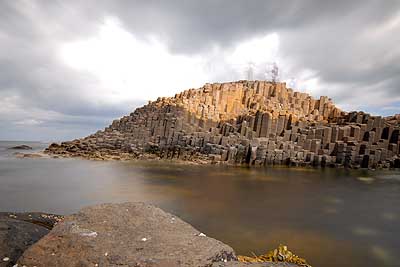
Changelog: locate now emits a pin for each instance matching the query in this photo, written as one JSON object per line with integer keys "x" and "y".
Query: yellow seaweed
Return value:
{"x": 281, "y": 254}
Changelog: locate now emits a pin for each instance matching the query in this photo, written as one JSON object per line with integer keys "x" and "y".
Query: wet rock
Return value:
{"x": 129, "y": 234}
{"x": 22, "y": 147}
{"x": 28, "y": 155}
{"x": 15, "y": 237}
{"x": 39, "y": 218}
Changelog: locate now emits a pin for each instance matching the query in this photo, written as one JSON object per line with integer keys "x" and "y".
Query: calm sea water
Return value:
{"x": 331, "y": 217}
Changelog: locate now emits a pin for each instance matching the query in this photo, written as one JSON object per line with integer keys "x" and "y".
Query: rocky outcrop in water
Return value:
{"x": 21, "y": 147}
{"x": 246, "y": 122}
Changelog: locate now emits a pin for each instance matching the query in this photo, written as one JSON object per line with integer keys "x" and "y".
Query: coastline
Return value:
{"x": 196, "y": 159}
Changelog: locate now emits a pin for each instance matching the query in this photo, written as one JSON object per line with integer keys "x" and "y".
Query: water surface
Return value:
{"x": 332, "y": 217}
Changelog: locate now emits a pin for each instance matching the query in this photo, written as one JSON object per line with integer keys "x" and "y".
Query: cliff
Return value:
{"x": 245, "y": 122}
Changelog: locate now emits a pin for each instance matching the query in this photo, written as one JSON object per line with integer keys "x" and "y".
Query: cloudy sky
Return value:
{"x": 68, "y": 68}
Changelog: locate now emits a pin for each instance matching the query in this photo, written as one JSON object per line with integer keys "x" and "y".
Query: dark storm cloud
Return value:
{"x": 190, "y": 26}
{"x": 352, "y": 47}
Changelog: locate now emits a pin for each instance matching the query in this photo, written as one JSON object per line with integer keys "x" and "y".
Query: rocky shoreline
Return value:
{"x": 253, "y": 123}
{"x": 127, "y": 234}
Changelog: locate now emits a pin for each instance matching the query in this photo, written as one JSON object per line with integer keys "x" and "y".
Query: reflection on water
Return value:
{"x": 331, "y": 217}
{"x": 364, "y": 231}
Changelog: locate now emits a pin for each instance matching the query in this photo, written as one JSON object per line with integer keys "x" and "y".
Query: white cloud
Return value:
{"x": 128, "y": 68}
{"x": 137, "y": 69}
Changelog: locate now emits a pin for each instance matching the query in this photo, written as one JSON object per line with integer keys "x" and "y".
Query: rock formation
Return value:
{"x": 22, "y": 147}
{"x": 130, "y": 235}
{"x": 245, "y": 122}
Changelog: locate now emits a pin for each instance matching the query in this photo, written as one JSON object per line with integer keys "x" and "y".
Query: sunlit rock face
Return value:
{"x": 245, "y": 122}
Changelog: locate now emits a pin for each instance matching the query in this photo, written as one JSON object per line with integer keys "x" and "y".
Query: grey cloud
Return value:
{"x": 190, "y": 26}
{"x": 31, "y": 73}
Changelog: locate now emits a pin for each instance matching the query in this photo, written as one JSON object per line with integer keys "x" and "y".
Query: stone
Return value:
{"x": 28, "y": 155}
{"x": 128, "y": 234}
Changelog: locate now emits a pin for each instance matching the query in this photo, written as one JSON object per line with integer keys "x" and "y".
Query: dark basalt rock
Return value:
{"x": 22, "y": 147}
{"x": 18, "y": 231}
{"x": 15, "y": 237}
{"x": 39, "y": 218}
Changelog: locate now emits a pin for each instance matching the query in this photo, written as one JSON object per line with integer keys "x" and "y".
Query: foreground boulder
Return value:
{"x": 129, "y": 234}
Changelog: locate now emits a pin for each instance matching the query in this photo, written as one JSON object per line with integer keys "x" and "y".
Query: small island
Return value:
{"x": 257, "y": 123}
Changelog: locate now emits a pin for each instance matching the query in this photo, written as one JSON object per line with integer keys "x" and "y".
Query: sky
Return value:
{"x": 68, "y": 68}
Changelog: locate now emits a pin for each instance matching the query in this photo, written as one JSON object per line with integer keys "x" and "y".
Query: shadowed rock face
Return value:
{"x": 245, "y": 122}
{"x": 15, "y": 237}
{"x": 129, "y": 234}
{"x": 45, "y": 220}
{"x": 18, "y": 231}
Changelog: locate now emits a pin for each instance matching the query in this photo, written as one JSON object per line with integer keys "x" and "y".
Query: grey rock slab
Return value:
{"x": 128, "y": 234}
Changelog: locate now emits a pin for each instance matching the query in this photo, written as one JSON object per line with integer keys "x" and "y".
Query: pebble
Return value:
{"x": 6, "y": 259}
{"x": 144, "y": 239}
{"x": 91, "y": 234}
{"x": 201, "y": 234}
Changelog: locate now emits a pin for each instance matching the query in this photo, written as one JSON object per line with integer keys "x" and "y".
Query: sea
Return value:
{"x": 331, "y": 217}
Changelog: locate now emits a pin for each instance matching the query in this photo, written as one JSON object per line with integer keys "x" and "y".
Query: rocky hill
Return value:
{"x": 245, "y": 122}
